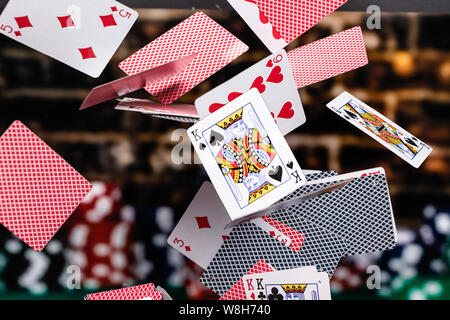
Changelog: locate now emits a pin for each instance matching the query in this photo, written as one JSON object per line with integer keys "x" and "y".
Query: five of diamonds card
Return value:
{"x": 83, "y": 34}
{"x": 245, "y": 155}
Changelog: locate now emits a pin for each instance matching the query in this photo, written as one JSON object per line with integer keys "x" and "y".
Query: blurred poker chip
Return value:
{"x": 103, "y": 253}
{"x": 24, "y": 269}
{"x": 423, "y": 288}
{"x": 351, "y": 274}
{"x": 420, "y": 255}
{"x": 194, "y": 288}
{"x": 103, "y": 203}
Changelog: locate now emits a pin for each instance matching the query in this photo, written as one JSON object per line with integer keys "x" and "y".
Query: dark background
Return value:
{"x": 407, "y": 79}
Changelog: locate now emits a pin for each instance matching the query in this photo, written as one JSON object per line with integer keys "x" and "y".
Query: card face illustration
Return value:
{"x": 303, "y": 283}
{"x": 278, "y": 23}
{"x": 380, "y": 128}
{"x": 215, "y": 46}
{"x": 83, "y": 34}
{"x": 274, "y": 80}
{"x": 328, "y": 57}
{"x": 39, "y": 190}
{"x": 247, "y": 158}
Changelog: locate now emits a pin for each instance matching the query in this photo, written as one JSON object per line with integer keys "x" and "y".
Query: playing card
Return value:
{"x": 157, "y": 109}
{"x": 321, "y": 180}
{"x": 165, "y": 295}
{"x": 286, "y": 235}
{"x": 216, "y": 47}
{"x": 206, "y": 219}
{"x": 176, "y": 118}
{"x": 273, "y": 78}
{"x": 328, "y": 57}
{"x": 83, "y": 34}
{"x": 277, "y": 23}
{"x": 237, "y": 291}
{"x": 142, "y": 292}
{"x": 367, "y": 224}
{"x": 308, "y": 171}
{"x": 125, "y": 85}
{"x": 244, "y": 153}
{"x": 380, "y": 128}
{"x": 295, "y": 284}
{"x": 254, "y": 286}
{"x": 315, "y": 181}
{"x": 39, "y": 190}
{"x": 201, "y": 230}
{"x": 247, "y": 244}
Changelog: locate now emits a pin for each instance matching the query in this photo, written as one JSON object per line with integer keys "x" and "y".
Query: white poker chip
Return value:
{"x": 54, "y": 247}
{"x": 117, "y": 277}
{"x": 102, "y": 249}
{"x": 13, "y": 246}
{"x": 412, "y": 253}
{"x": 405, "y": 236}
{"x": 164, "y": 217}
{"x": 98, "y": 188}
{"x": 119, "y": 260}
{"x": 442, "y": 223}
{"x": 429, "y": 212}
{"x": 78, "y": 236}
{"x": 100, "y": 270}
{"x": 128, "y": 214}
{"x": 433, "y": 288}
{"x": 416, "y": 294}
{"x": 77, "y": 257}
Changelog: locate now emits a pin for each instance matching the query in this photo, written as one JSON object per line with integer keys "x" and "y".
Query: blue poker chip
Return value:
{"x": 437, "y": 221}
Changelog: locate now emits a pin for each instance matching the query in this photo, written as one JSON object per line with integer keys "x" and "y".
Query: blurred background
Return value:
{"x": 118, "y": 235}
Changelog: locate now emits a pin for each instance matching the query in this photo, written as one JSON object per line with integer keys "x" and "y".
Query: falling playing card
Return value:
{"x": 142, "y": 292}
{"x": 277, "y": 23}
{"x": 83, "y": 34}
{"x": 201, "y": 230}
{"x": 216, "y": 47}
{"x": 367, "y": 224}
{"x": 237, "y": 291}
{"x": 380, "y": 128}
{"x": 328, "y": 57}
{"x": 273, "y": 78}
{"x": 246, "y": 156}
{"x": 39, "y": 190}
{"x": 164, "y": 294}
{"x": 125, "y": 85}
{"x": 303, "y": 283}
{"x": 247, "y": 244}
{"x": 186, "y": 112}
{"x": 206, "y": 219}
